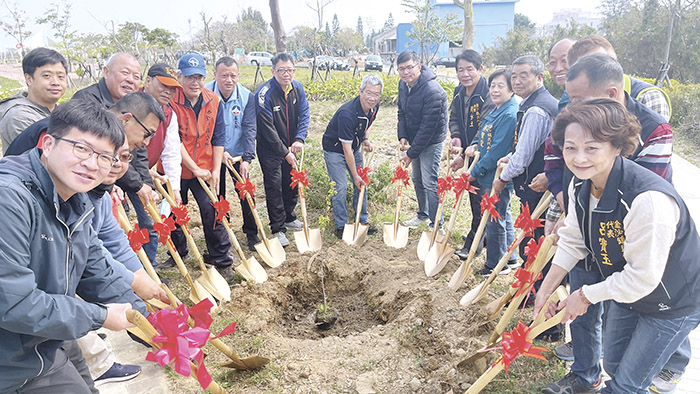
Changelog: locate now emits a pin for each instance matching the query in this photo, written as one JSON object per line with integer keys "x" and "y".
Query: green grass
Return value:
{"x": 8, "y": 87}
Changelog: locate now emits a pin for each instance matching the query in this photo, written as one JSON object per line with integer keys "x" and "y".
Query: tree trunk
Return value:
{"x": 277, "y": 28}
{"x": 468, "y": 36}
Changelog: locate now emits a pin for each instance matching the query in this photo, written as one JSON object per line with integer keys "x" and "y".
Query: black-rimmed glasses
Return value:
{"x": 83, "y": 152}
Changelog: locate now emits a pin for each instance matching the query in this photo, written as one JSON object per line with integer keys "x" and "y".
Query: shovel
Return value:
{"x": 147, "y": 334}
{"x": 355, "y": 234}
{"x": 306, "y": 239}
{"x": 250, "y": 269}
{"x": 465, "y": 269}
{"x": 439, "y": 254}
{"x": 270, "y": 250}
{"x": 479, "y": 291}
{"x": 126, "y": 226}
{"x": 396, "y": 234}
{"x": 428, "y": 238}
{"x": 197, "y": 290}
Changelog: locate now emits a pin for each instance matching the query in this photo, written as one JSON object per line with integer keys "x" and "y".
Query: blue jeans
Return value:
{"x": 145, "y": 221}
{"x": 499, "y": 233}
{"x": 637, "y": 346}
{"x": 426, "y": 169}
{"x": 337, "y": 170}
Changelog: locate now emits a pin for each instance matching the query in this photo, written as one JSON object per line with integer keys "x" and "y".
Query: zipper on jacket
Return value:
{"x": 286, "y": 111}
{"x": 41, "y": 360}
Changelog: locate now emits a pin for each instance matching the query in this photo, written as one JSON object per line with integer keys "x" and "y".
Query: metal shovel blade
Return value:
{"x": 473, "y": 295}
{"x": 352, "y": 236}
{"x": 312, "y": 244}
{"x": 199, "y": 293}
{"x": 275, "y": 255}
{"x": 396, "y": 239}
{"x": 255, "y": 270}
{"x": 437, "y": 258}
{"x": 212, "y": 280}
{"x": 252, "y": 362}
{"x": 424, "y": 244}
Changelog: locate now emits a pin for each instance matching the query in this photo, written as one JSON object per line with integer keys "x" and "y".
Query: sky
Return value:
{"x": 183, "y": 16}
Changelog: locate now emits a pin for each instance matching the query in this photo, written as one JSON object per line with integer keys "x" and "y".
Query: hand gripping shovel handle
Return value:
{"x": 453, "y": 217}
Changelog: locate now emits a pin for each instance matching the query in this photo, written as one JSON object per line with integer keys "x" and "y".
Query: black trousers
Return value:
{"x": 281, "y": 198}
{"x": 217, "y": 240}
{"x": 249, "y": 226}
{"x": 532, "y": 199}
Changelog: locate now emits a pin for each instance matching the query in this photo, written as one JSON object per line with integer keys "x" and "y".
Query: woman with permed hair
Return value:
{"x": 641, "y": 238}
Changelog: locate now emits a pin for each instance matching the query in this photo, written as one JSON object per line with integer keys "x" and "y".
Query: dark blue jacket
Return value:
{"x": 422, "y": 113}
{"x": 479, "y": 104}
{"x": 46, "y": 261}
{"x": 350, "y": 123}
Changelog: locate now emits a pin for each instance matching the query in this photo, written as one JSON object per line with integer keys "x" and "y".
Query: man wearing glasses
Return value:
{"x": 283, "y": 123}
{"x": 50, "y": 253}
{"x": 203, "y": 134}
{"x": 423, "y": 125}
{"x": 239, "y": 116}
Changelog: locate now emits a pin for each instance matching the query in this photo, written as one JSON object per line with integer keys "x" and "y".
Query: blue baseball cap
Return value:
{"x": 192, "y": 63}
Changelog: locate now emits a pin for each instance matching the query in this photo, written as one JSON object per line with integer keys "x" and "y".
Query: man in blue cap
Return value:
{"x": 203, "y": 134}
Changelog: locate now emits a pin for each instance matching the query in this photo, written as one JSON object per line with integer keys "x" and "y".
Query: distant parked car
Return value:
{"x": 444, "y": 61}
{"x": 323, "y": 62}
{"x": 374, "y": 62}
{"x": 261, "y": 58}
{"x": 341, "y": 64}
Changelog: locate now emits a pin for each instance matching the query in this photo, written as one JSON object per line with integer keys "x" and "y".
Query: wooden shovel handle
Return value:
{"x": 145, "y": 261}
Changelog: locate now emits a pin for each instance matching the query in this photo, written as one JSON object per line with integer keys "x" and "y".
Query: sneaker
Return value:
{"x": 468, "y": 239}
{"x": 565, "y": 352}
{"x": 339, "y": 232}
{"x": 441, "y": 230}
{"x": 371, "y": 230}
{"x": 118, "y": 373}
{"x": 486, "y": 271}
{"x": 252, "y": 241}
{"x": 463, "y": 253}
{"x": 415, "y": 222}
{"x": 570, "y": 385}
{"x": 282, "y": 238}
{"x": 514, "y": 264}
{"x": 227, "y": 273}
{"x": 665, "y": 381}
{"x": 296, "y": 224}
{"x": 170, "y": 262}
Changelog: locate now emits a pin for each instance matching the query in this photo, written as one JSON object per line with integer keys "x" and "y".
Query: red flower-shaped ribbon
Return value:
{"x": 401, "y": 175}
{"x": 526, "y": 222}
{"x": 244, "y": 188}
{"x": 299, "y": 177}
{"x": 222, "y": 207}
{"x": 460, "y": 185}
{"x": 444, "y": 184}
{"x": 182, "y": 343}
{"x": 488, "y": 203}
{"x": 524, "y": 281}
{"x": 363, "y": 172}
{"x": 531, "y": 249}
{"x": 182, "y": 216}
{"x": 515, "y": 343}
{"x": 137, "y": 237}
{"x": 164, "y": 228}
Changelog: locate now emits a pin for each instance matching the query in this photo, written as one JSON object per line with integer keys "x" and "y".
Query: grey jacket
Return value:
{"x": 46, "y": 261}
{"x": 16, "y": 114}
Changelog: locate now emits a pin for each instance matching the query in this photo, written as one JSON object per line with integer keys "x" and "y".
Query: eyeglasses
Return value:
{"x": 125, "y": 157}
{"x": 407, "y": 68}
{"x": 83, "y": 152}
{"x": 195, "y": 77}
{"x": 372, "y": 94}
{"x": 284, "y": 71}
{"x": 149, "y": 133}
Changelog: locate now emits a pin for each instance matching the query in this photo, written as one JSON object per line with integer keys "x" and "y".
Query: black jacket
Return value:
{"x": 97, "y": 92}
{"x": 349, "y": 123}
{"x": 422, "y": 113}
{"x": 479, "y": 104}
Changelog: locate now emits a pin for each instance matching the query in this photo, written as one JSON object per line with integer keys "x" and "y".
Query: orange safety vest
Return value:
{"x": 196, "y": 133}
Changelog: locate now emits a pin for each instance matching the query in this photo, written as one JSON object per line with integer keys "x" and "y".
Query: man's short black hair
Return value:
{"x": 281, "y": 57}
{"x": 88, "y": 116}
{"x": 470, "y": 56}
{"x": 40, "y": 57}
{"x": 506, "y": 72}
{"x": 406, "y": 56}
{"x": 601, "y": 70}
{"x": 228, "y": 61}
{"x": 140, "y": 104}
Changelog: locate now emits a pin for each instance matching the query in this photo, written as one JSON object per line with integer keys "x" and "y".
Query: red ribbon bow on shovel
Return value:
{"x": 515, "y": 343}
{"x": 401, "y": 175}
{"x": 182, "y": 216}
{"x": 182, "y": 343}
{"x": 164, "y": 228}
{"x": 488, "y": 203}
{"x": 531, "y": 249}
{"x": 363, "y": 172}
{"x": 460, "y": 185}
{"x": 299, "y": 177}
{"x": 137, "y": 237}
{"x": 444, "y": 184}
{"x": 244, "y": 188}
{"x": 222, "y": 207}
{"x": 524, "y": 282}
{"x": 526, "y": 222}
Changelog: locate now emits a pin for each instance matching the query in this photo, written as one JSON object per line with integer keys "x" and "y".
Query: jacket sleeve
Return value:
{"x": 434, "y": 108}
{"x": 266, "y": 131}
{"x": 114, "y": 239}
{"x": 140, "y": 164}
{"x": 503, "y": 135}
{"x": 401, "y": 126}
{"x": 304, "y": 116}
{"x": 657, "y": 150}
{"x": 24, "y": 308}
{"x": 218, "y": 137}
{"x": 100, "y": 284}
{"x": 454, "y": 116}
{"x": 12, "y": 125}
{"x": 553, "y": 166}
{"x": 171, "y": 157}
{"x": 131, "y": 182}
{"x": 533, "y": 133}
{"x": 248, "y": 129}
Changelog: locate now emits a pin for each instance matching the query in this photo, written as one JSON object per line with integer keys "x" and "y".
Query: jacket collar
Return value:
{"x": 104, "y": 92}
{"x": 512, "y": 102}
